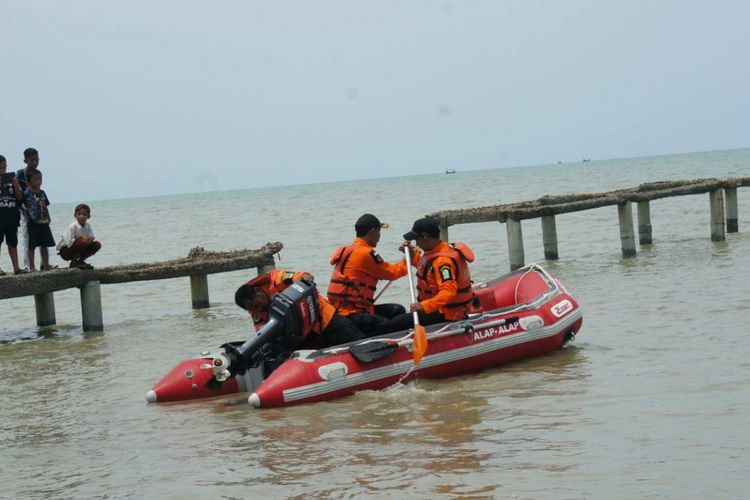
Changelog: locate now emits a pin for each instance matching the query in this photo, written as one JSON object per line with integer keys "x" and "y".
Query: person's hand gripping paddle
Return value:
{"x": 419, "y": 345}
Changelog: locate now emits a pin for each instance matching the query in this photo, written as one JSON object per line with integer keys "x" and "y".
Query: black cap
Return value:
{"x": 368, "y": 221}
{"x": 424, "y": 227}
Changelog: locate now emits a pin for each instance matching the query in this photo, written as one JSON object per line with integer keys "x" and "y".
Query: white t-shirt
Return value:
{"x": 74, "y": 231}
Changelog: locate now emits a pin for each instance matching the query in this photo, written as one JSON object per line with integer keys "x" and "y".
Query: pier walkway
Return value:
{"x": 197, "y": 265}
{"x": 722, "y": 205}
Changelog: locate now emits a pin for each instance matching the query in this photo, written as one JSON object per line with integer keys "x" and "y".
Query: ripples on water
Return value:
{"x": 650, "y": 400}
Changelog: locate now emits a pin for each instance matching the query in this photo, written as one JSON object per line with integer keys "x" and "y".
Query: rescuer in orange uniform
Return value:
{"x": 357, "y": 269}
{"x": 443, "y": 279}
{"x": 255, "y": 297}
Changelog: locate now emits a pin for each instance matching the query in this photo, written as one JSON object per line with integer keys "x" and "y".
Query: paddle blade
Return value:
{"x": 420, "y": 343}
{"x": 372, "y": 351}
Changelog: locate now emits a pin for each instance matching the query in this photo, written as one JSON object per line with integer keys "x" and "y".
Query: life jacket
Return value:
{"x": 273, "y": 282}
{"x": 270, "y": 284}
{"x": 461, "y": 255}
{"x": 350, "y": 292}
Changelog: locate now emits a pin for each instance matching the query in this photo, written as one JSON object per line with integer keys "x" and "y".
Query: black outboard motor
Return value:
{"x": 294, "y": 312}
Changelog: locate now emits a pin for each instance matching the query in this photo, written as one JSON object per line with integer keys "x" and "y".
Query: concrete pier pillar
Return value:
{"x": 265, "y": 268}
{"x": 549, "y": 237}
{"x": 627, "y": 235}
{"x": 716, "y": 199}
{"x": 644, "y": 222}
{"x": 45, "y": 309}
{"x": 731, "y": 207}
{"x": 199, "y": 291}
{"x": 444, "y": 230}
{"x": 91, "y": 307}
{"x": 515, "y": 243}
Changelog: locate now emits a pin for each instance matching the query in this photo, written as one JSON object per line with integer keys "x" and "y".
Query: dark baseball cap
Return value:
{"x": 369, "y": 221}
{"x": 424, "y": 227}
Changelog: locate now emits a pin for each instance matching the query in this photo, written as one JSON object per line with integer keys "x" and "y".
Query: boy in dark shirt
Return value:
{"x": 40, "y": 235}
{"x": 10, "y": 199}
{"x": 31, "y": 159}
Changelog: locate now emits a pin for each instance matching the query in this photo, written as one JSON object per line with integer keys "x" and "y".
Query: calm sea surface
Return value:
{"x": 651, "y": 400}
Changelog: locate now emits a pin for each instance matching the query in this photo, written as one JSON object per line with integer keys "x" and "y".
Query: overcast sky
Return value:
{"x": 151, "y": 97}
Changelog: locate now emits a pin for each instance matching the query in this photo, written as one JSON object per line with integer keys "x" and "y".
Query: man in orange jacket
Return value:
{"x": 255, "y": 297}
{"x": 357, "y": 270}
{"x": 443, "y": 279}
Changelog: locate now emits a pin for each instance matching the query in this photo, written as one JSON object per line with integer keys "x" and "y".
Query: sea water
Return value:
{"x": 651, "y": 399}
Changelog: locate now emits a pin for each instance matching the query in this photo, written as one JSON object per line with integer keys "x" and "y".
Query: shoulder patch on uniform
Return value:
{"x": 445, "y": 272}
{"x": 376, "y": 257}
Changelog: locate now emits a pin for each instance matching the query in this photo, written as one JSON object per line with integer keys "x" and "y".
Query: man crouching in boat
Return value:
{"x": 255, "y": 297}
{"x": 443, "y": 278}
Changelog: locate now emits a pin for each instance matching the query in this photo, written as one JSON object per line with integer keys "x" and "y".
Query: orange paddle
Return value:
{"x": 419, "y": 344}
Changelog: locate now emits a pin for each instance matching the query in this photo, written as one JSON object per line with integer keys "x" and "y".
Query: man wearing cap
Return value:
{"x": 256, "y": 295}
{"x": 443, "y": 278}
{"x": 357, "y": 269}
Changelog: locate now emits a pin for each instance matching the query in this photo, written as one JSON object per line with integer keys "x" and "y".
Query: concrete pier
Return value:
{"x": 197, "y": 265}
{"x": 45, "y": 309}
{"x": 730, "y": 200}
{"x": 91, "y": 307}
{"x": 549, "y": 237}
{"x": 199, "y": 291}
{"x": 549, "y": 206}
{"x": 515, "y": 243}
{"x": 644, "y": 223}
{"x": 444, "y": 230}
{"x": 265, "y": 268}
{"x": 627, "y": 235}
{"x": 716, "y": 199}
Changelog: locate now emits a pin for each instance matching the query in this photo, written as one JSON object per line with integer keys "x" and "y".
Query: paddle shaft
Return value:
{"x": 381, "y": 291}
{"x": 407, "y": 253}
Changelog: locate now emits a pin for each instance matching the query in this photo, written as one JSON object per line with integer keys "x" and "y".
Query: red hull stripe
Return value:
{"x": 368, "y": 376}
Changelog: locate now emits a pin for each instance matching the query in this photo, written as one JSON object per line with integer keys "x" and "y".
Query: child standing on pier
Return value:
{"x": 77, "y": 243}
{"x": 31, "y": 159}
{"x": 40, "y": 235}
{"x": 10, "y": 199}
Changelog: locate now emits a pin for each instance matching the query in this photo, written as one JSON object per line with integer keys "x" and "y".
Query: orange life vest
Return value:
{"x": 272, "y": 283}
{"x": 345, "y": 291}
{"x": 461, "y": 255}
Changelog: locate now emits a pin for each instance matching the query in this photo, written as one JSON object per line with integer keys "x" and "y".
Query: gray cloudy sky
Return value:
{"x": 151, "y": 97}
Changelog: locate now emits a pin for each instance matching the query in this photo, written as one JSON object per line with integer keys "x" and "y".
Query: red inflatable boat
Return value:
{"x": 522, "y": 314}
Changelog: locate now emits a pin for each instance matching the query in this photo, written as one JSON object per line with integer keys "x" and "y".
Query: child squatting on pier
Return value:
{"x": 77, "y": 242}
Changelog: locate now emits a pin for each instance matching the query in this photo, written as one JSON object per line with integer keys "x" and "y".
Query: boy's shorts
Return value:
{"x": 40, "y": 235}
{"x": 10, "y": 235}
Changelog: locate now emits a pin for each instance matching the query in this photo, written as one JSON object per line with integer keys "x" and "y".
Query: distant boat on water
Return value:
{"x": 450, "y": 170}
{"x": 586, "y": 159}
